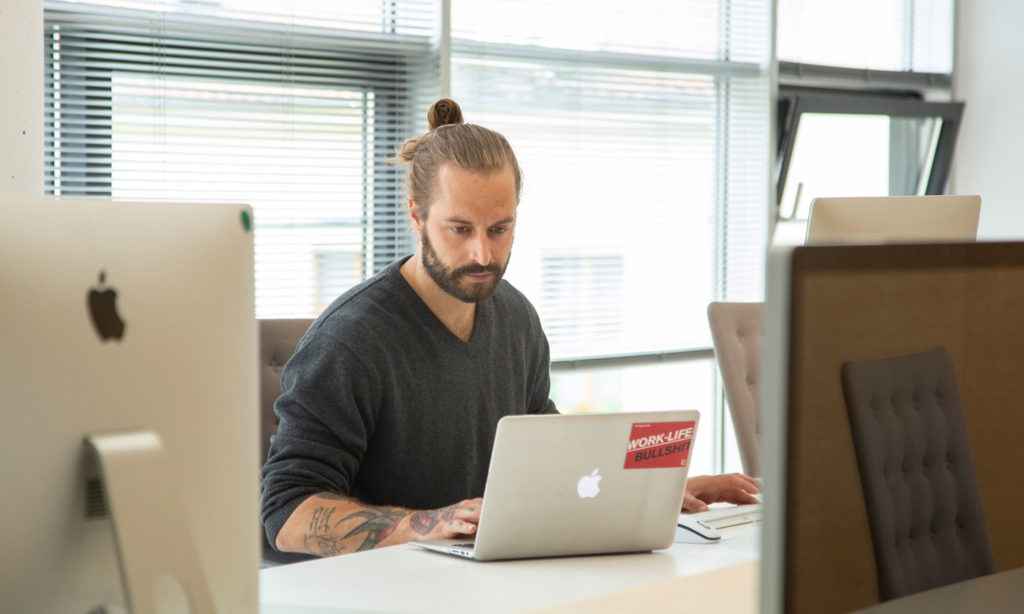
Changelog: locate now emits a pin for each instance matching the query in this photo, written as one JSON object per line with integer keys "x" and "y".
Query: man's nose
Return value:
{"x": 481, "y": 249}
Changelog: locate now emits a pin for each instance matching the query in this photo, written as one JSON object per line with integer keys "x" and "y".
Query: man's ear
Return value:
{"x": 416, "y": 215}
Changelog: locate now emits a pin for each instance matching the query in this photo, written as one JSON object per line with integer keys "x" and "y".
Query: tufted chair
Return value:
{"x": 278, "y": 339}
{"x": 923, "y": 505}
{"x": 737, "y": 333}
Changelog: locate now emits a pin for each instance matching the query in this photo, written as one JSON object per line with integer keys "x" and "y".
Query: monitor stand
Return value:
{"x": 160, "y": 566}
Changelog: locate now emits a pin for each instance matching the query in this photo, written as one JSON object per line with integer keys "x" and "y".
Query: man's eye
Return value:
{"x": 498, "y": 230}
{"x": 460, "y": 229}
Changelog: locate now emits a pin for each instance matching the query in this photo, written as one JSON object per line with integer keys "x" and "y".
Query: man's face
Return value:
{"x": 466, "y": 240}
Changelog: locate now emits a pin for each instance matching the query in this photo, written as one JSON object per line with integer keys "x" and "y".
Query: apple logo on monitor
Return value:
{"x": 587, "y": 487}
{"x": 102, "y": 303}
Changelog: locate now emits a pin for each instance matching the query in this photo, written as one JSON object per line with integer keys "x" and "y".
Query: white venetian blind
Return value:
{"x": 896, "y": 35}
{"x": 291, "y": 106}
{"x": 642, "y": 130}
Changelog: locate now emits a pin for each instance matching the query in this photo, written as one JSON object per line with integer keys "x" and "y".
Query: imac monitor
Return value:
{"x": 893, "y": 219}
{"x": 128, "y": 394}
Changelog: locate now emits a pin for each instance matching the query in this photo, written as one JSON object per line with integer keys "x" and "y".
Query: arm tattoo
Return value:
{"x": 323, "y": 545}
{"x": 377, "y": 524}
{"x": 424, "y": 522}
{"x": 321, "y": 521}
{"x": 318, "y": 539}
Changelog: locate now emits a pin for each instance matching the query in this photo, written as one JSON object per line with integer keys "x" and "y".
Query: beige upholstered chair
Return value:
{"x": 737, "y": 332}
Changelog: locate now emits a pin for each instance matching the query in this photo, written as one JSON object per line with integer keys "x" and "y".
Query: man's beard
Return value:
{"x": 451, "y": 281}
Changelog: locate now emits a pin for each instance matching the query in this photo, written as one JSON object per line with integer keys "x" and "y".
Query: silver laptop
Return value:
{"x": 563, "y": 485}
{"x": 893, "y": 219}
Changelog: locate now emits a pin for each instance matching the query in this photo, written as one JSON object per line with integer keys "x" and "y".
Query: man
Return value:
{"x": 392, "y": 398}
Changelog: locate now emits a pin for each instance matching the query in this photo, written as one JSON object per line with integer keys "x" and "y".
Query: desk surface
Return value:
{"x": 1001, "y": 592}
{"x": 407, "y": 579}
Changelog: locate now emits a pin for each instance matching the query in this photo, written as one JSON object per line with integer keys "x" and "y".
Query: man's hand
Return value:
{"x": 449, "y": 522}
{"x": 728, "y": 488}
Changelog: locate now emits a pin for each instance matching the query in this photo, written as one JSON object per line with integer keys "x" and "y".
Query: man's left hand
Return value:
{"x": 728, "y": 488}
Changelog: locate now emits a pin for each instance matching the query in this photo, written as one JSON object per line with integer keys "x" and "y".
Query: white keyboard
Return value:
{"x": 729, "y": 516}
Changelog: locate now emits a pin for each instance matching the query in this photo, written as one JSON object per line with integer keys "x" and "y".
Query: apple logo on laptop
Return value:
{"x": 587, "y": 487}
{"x": 102, "y": 303}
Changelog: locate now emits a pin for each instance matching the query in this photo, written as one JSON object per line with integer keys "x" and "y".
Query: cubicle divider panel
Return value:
{"x": 869, "y": 302}
{"x": 992, "y": 390}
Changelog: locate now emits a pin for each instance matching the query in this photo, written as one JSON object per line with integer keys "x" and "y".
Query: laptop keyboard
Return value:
{"x": 729, "y": 516}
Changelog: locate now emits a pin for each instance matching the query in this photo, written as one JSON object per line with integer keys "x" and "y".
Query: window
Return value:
{"x": 642, "y": 131}
{"x": 859, "y": 119}
{"x": 835, "y": 143}
{"x": 291, "y": 107}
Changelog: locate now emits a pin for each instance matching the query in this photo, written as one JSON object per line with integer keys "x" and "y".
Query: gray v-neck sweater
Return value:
{"x": 382, "y": 402}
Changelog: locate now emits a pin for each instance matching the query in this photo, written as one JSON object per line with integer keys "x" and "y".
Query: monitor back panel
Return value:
{"x": 185, "y": 368}
{"x": 868, "y": 302}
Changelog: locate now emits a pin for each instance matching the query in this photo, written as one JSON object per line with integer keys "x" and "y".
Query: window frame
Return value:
{"x": 795, "y": 100}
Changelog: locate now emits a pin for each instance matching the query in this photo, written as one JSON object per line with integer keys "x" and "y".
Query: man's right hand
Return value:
{"x": 454, "y": 521}
{"x": 328, "y": 524}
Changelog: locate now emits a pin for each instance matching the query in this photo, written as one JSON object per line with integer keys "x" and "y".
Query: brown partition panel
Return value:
{"x": 868, "y": 302}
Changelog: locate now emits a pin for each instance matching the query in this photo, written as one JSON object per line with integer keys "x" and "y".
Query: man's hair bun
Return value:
{"x": 451, "y": 141}
{"x": 443, "y": 112}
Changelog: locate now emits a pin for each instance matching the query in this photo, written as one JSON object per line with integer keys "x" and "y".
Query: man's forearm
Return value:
{"x": 328, "y": 524}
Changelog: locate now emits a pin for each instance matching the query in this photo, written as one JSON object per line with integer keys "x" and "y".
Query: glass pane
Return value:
{"x": 682, "y": 29}
{"x": 619, "y": 183}
{"x": 905, "y": 35}
{"x": 855, "y": 155}
{"x": 677, "y": 385}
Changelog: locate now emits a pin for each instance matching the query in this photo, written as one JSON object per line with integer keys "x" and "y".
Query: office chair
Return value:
{"x": 923, "y": 504}
{"x": 277, "y": 340}
{"x": 737, "y": 333}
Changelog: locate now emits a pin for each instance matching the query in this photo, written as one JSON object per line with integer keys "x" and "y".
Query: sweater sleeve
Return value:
{"x": 326, "y": 418}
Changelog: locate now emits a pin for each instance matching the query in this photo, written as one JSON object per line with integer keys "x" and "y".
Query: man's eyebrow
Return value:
{"x": 458, "y": 220}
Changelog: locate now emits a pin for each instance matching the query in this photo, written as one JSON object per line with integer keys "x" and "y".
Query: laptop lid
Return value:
{"x": 585, "y": 484}
{"x": 893, "y": 219}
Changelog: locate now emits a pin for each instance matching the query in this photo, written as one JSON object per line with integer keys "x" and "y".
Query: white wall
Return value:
{"x": 989, "y": 77}
{"x": 21, "y": 97}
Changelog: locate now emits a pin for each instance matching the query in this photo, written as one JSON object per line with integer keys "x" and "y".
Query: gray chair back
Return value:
{"x": 278, "y": 339}
{"x": 923, "y": 504}
{"x": 737, "y": 333}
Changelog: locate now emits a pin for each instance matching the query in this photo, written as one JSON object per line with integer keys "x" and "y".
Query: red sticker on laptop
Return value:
{"x": 659, "y": 444}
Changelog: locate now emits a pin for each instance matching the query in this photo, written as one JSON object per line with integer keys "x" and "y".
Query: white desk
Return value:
{"x": 407, "y": 579}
